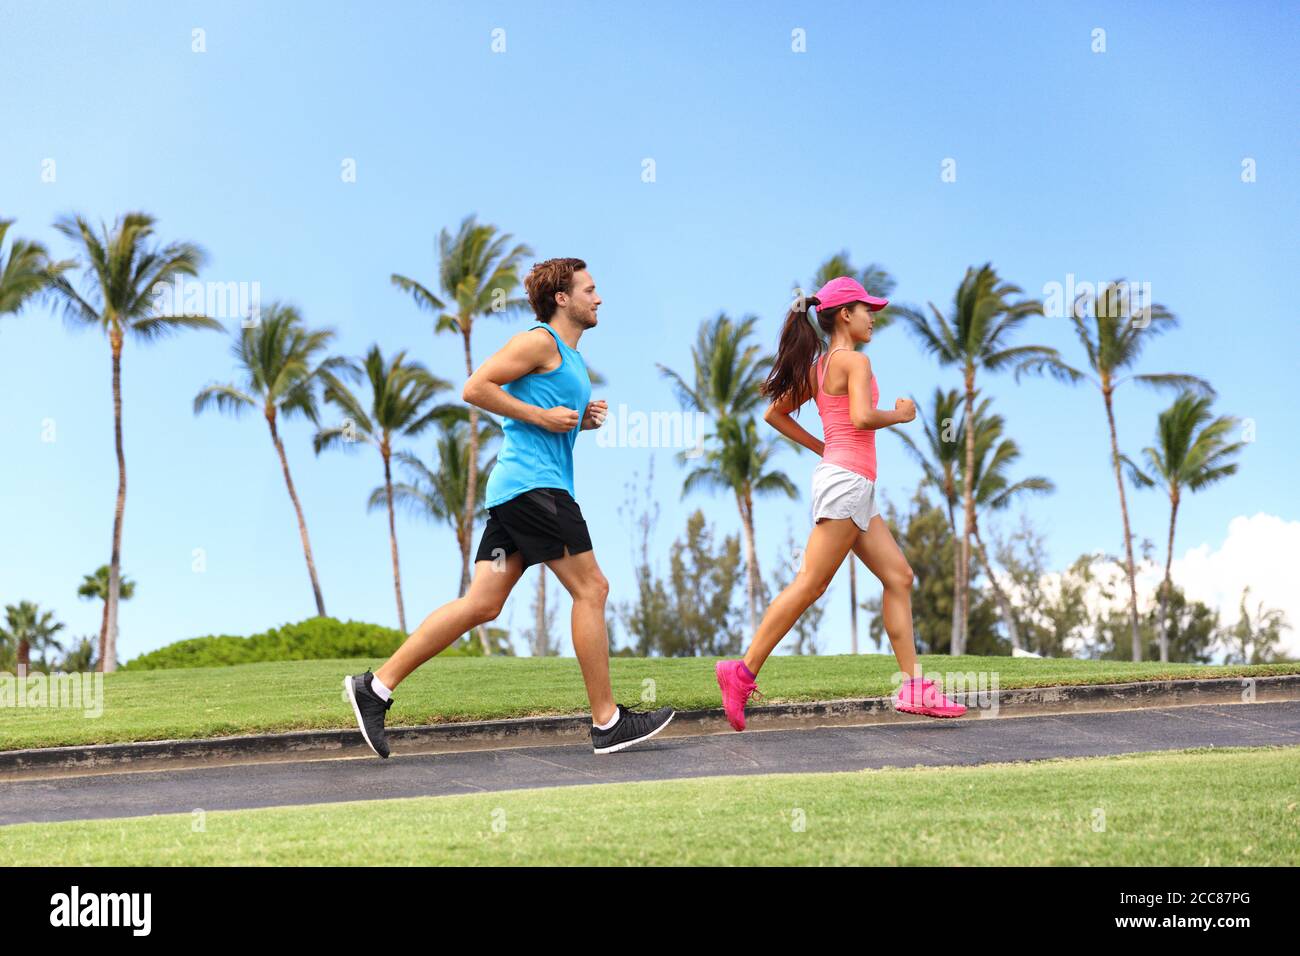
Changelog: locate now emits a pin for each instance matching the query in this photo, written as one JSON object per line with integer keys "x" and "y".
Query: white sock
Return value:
{"x": 612, "y": 721}
{"x": 382, "y": 692}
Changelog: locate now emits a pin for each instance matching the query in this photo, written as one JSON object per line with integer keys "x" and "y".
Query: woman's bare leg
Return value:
{"x": 828, "y": 545}
{"x": 880, "y": 553}
{"x": 482, "y": 603}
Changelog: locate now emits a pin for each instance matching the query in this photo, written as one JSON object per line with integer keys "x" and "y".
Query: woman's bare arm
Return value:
{"x": 778, "y": 416}
{"x": 862, "y": 409}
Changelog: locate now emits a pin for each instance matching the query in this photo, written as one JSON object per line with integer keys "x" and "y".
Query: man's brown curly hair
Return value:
{"x": 547, "y": 278}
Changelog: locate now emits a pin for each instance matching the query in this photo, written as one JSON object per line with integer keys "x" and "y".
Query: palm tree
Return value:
{"x": 1191, "y": 453}
{"x": 1251, "y": 639}
{"x": 728, "y": 370}
{"x": 80, "y": 658}
{"x": 439, "y": 492}
{"x": 478, "y": 272}
{"x": 941, "y": 463}
{"x": 95, "y": 586}
{"x": 1113, "y": 342}
{"x": 876, "y": 280}
{"x": 29, "y": 630}
{"x": 25, "y": 272}
{"x": 985, "y": 312}
{"x": 738, "y": 462}
{"x": 399, "y": 408}
{"x": 541, "y": 640}
{"x": 279, "y": 360}
{"x": 994, "y": 491}
{"x": 122, "y": 267}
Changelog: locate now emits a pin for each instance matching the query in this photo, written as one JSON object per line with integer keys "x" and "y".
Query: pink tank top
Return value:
{"x": 846, "y": 446}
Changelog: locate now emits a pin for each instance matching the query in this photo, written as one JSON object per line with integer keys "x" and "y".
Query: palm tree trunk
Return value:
{"x": 464, "y": 541}
{"x": 297, "y": 507}
{"x": 1004, "y": 603}
{"x": 23, "y": 658}
{"x": 1168, "y": 582}
{"x": 471, "y": 477}
{"x": 745, "y": 503}
{"x": 1128, "y": 535}
{"x": 955, "y": 638}
{"x": 968, "y": 494}
{"x": 853, "y": 606}
{"x": 542, "y": 640}
{"x": 392, "y": 538}
{"x": 103, "y": 629}
{"x": 108, "y": 640}
{"x": 471, "y": 472}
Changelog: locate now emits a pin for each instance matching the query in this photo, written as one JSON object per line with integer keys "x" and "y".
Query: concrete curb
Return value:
{"x": 552, "y": 731}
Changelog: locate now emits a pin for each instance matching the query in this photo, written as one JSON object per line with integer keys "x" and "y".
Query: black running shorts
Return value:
{"x": 539, "y": 523}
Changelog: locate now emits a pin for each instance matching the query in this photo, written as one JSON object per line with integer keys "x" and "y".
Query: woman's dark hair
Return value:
{"x": 798, "y": 348}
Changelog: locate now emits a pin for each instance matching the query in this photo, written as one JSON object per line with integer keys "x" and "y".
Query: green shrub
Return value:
{"x": 316, "y": 638}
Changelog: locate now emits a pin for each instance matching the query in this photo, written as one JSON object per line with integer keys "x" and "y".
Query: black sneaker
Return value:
{"x": 370, "y": 710}
{"x": 632, "y": 727}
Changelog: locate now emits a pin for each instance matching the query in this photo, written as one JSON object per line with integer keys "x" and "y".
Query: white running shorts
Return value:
{"x": 840, "y": 493}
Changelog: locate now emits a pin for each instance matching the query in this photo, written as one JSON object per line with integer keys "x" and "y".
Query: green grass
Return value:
{"x": 301, "y": 695}
{"x": 1204, "y": 807}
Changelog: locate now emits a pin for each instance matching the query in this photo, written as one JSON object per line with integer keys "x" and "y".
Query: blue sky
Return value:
{"x": 1125, "y": 163}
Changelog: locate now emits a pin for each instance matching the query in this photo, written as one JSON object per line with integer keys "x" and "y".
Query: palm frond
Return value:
{"x": 227, "y": 398}
{"x": 1174, "y": 380}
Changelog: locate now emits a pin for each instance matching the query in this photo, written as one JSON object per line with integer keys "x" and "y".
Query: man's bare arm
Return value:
{"x": 523, "y": 354}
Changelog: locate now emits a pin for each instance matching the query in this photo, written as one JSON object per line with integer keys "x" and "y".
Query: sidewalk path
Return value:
{"x": 966, "y": 741}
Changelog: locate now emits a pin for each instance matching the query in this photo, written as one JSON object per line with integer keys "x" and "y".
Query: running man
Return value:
{"x": 538, "y": 383}
{"x": 844, "y": 511}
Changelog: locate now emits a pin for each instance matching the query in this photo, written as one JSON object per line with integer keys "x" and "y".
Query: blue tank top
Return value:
{"x": 532, "y": 457}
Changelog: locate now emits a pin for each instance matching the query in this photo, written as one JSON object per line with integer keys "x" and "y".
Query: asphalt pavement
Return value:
{"x": 962, "y": 742}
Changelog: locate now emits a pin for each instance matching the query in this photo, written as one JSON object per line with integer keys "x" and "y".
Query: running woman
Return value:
{"x": 539, "y": 384}
{"x": 844, "y": 512}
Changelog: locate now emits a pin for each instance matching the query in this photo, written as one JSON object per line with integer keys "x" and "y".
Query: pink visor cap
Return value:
{"x": 842, "y": 290}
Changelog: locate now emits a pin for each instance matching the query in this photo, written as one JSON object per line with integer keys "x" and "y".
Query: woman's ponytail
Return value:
{"x": 798, "y": 347}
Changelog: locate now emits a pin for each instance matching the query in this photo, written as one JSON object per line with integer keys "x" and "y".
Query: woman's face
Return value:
{"x": 860, "y": 320}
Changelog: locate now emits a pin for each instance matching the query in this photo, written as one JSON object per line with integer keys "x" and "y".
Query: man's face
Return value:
{"x": 580, "y": 304}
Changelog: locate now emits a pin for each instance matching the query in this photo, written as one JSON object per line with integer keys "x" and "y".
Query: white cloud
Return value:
{"x": 1261, "y": 551}
{"x": 1106, "y": 593}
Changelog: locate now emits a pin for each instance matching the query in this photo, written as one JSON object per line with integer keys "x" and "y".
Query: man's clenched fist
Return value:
{"x": 596, "y": 412}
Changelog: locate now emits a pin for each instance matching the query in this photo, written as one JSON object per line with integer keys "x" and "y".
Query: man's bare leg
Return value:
{"x": 582, "y": 578}
{"x": 492, "y": 583}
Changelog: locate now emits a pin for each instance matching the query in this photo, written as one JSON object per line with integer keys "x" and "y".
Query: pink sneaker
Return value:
{"x": 924, "y": 697}
{"x": 737, "y": 687}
